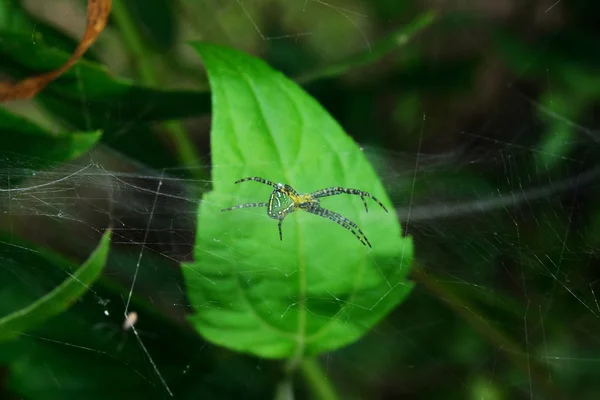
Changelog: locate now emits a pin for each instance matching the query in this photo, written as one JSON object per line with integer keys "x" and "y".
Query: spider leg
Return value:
{"x": 247, "y": 205}
{"x": 279, "y": 226}
{"x": 340, "y": 220}
{"x": 257, "y": 179}
{"x": 340, "y": 190}
{"x": 288, "y": 189}
{"x": 365, "y": 203}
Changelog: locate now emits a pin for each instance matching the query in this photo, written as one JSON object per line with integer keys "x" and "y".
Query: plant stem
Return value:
{"x": 185, "y": 148}
{"x": 317, "y": 380}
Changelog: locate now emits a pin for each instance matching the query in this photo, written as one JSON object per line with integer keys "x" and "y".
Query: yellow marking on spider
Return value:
{"x": 302, "y": 198}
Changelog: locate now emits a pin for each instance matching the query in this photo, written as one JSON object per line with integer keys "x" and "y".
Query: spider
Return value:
{"x": 285, "y": 200}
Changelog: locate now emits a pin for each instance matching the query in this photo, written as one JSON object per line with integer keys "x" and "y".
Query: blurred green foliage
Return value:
{"x": 481, "y": 124}
{"x": 46, "y": 147}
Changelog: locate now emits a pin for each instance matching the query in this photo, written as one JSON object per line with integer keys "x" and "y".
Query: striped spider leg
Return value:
{"x": 332, "y": 191}
{"x": 247, "y": 205}
{"x": 278, "y": 186}
{"x": 339, "y": 219}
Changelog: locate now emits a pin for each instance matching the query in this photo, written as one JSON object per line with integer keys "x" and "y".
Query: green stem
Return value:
{"x": 317, "y": 380}
{"x": 185, "y": 148}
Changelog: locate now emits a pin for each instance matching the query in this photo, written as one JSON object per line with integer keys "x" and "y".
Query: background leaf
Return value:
{"x": 107, "y": 96}
{"x": 319, "y": 288}
{"x": 89, "y": 96}
{"x": 45, "y": 147}
{"x": 59, "y": 299}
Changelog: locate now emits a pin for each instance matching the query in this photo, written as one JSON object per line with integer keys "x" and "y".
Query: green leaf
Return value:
{"x": 24, "y": 143}
{"x": 89, "y": 97}
{"x": 107, "y": 99}
{"x": 319, "y": 288}
{"x": 59, "y": 299}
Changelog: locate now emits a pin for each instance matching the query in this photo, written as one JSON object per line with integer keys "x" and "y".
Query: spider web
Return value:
{"x": 472, "y": 237}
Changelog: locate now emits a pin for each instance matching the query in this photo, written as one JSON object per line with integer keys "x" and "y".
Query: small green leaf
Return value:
{"x": 319, "y": 288}
{"x": 25, "y": 142}
{"x": 59, "y": 299}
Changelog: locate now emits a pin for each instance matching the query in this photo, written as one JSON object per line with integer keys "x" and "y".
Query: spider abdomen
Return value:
{"x": 279, "y": 205}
